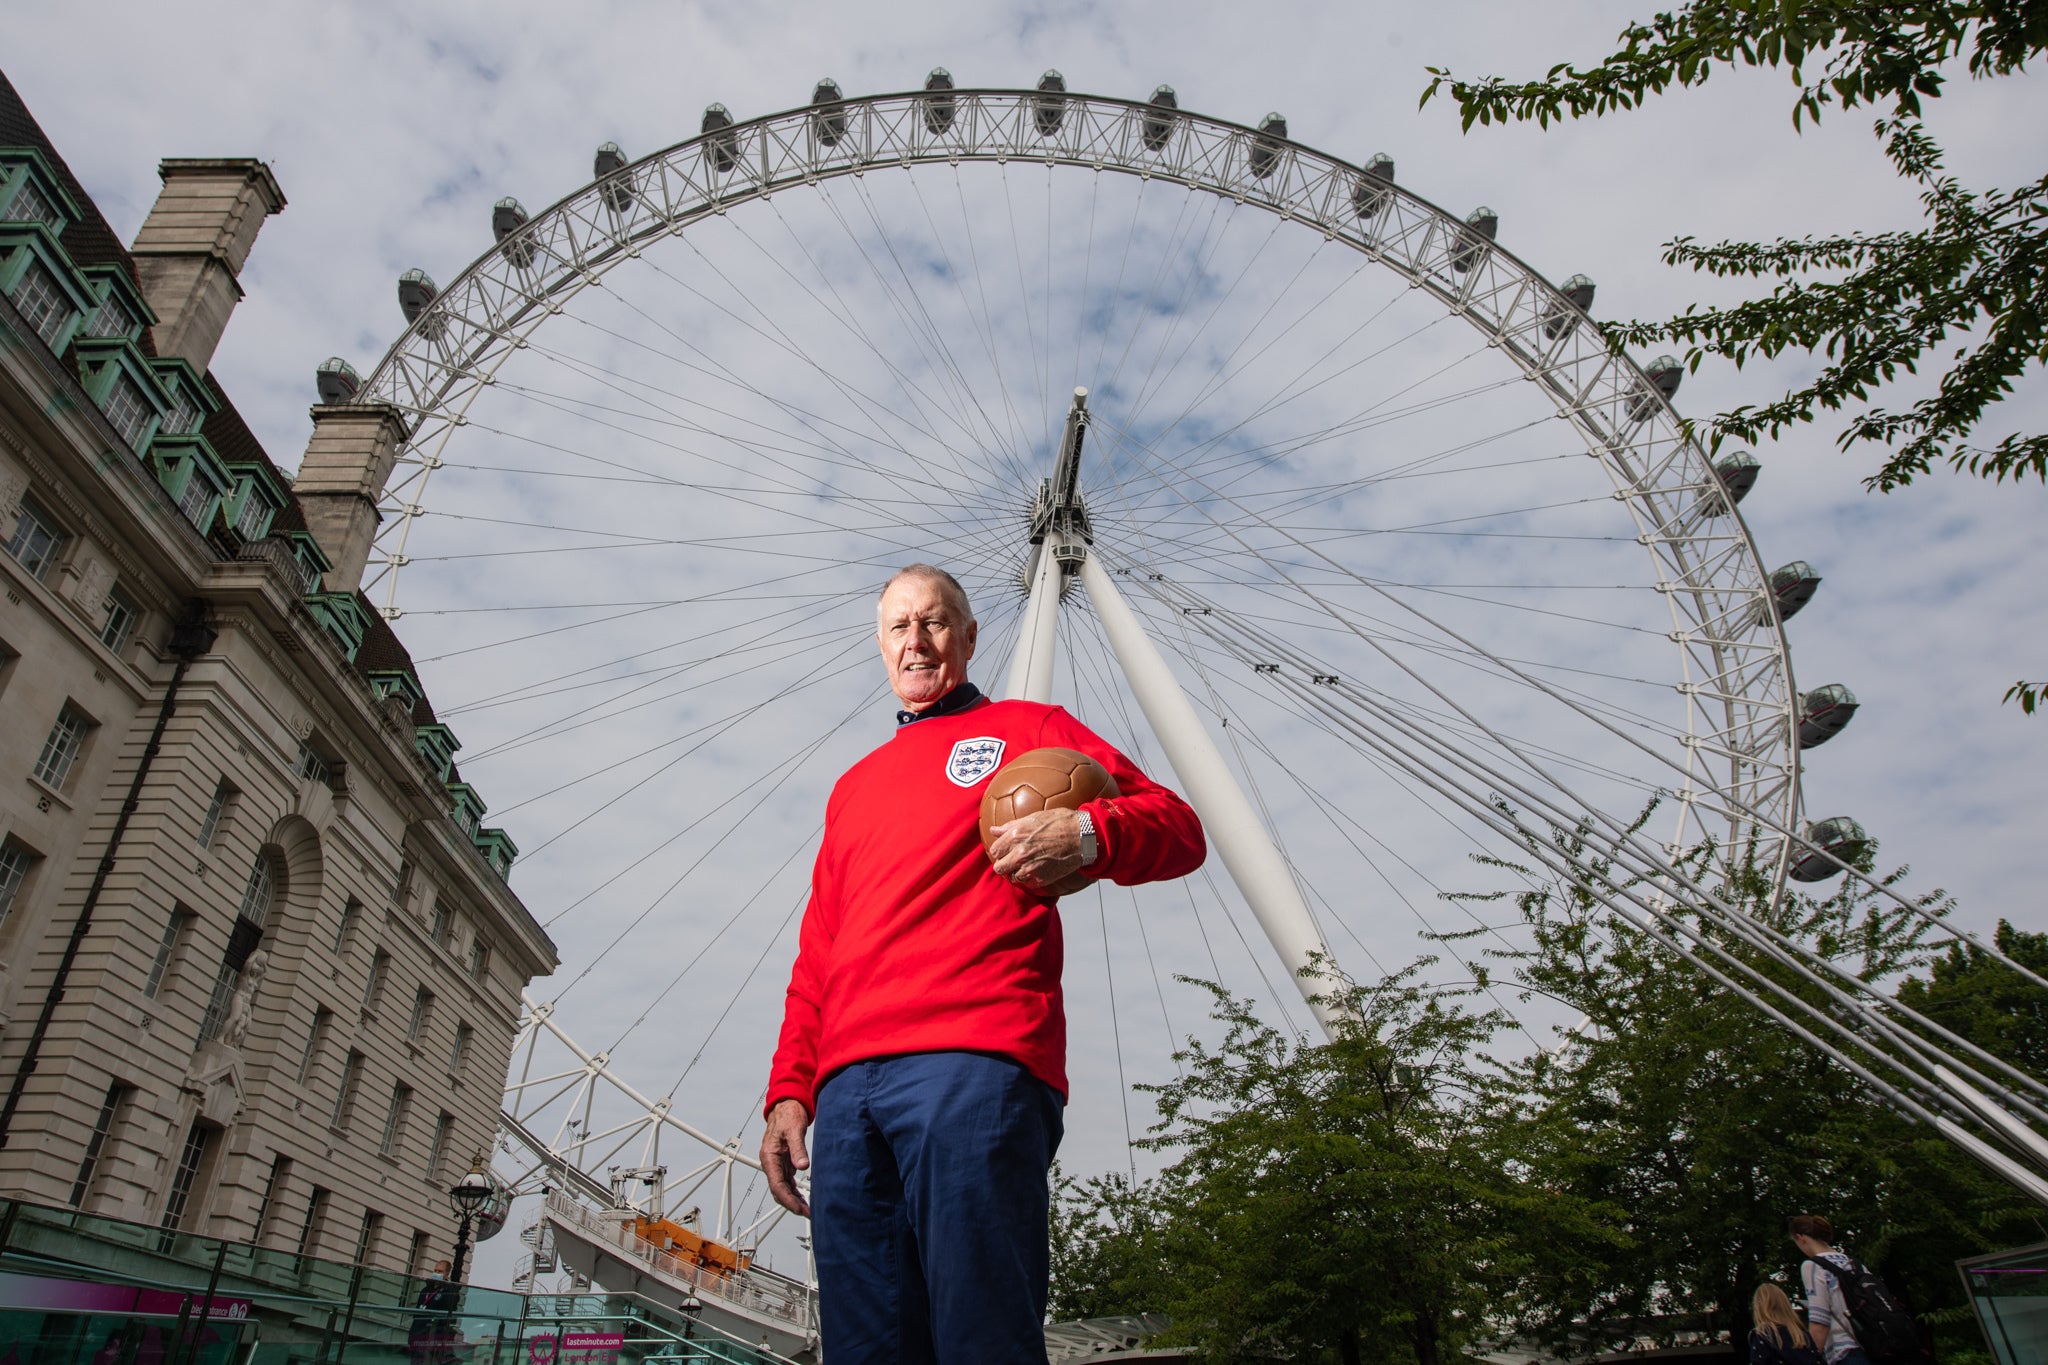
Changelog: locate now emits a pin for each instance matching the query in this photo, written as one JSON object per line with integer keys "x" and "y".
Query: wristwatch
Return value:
{"x": 1091, "y": 847}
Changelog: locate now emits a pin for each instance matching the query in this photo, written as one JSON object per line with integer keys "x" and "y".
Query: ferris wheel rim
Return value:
{"x": 1660, "y": 473}
{"x": 1617, "y": 411}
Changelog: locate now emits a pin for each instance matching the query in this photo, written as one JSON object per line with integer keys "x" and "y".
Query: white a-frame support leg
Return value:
{"x": 1233, "y": 827}
{"x": 1031, "y": 667}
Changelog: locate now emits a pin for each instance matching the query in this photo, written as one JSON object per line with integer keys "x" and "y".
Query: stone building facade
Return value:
{"x": 259, "y": 962}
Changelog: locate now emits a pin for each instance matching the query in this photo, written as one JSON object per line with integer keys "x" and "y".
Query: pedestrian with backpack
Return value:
{"x": 1852, "y": 1315}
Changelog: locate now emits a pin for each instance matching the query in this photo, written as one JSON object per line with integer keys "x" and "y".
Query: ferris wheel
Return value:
{"x": 1284, "y": 479}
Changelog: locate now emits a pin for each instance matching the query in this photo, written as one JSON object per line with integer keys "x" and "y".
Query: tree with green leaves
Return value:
{"x": 1710, "y": 1124}
{"x": 1360, "y": 1199}
{"x": 1106, "y": 1261}
{"x": 1966, "y": 294}
{"x": 1975, "y": 995}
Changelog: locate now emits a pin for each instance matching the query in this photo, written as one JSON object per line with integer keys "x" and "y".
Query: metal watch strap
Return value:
{"x": 1091, "y": 846}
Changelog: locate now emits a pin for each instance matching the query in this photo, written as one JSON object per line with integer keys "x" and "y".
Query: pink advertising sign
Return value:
{"x": 576, "y": 1348}
{"x": 51, "y": 1295}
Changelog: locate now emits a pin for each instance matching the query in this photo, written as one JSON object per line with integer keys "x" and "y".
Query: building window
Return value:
{"x": 366, "y": 1238}
{"x": 307, "y": 570}
{"x": 394, "y": 1120}
{"x": 111, "y": 319}
{"x": 416, "y": 1257}
{"x": 345, "y": 1097}
{"x": 479, "y": 959}
{"x": 15, "y": 862}
{"x": 36, "y": 540}
{"x": 351, "y": 912}
{"x": 444, "y": 1133}
{"x": 315, "y": 1036}
{"x": 316, "y": 1216}
{"x": 401, "y": 890}
{"x": 197, "y": 1139}
{"x": 216, "y": 1016}
{"x": 197, "y": 501}
{"x": 96, "y": 1145}
{"x": 130, "y": 412}
{"x": 183, "y": 421}
{"x": 254, "y": 518}
{"x": 273, "y": 1190}
{"x": 310, "y": 763}
{"x": 422, "y": 1013}
{"x": 61, "y": 749}
{"x": 256, "y": 895}
{"x": 216, "y": 811}
{"x": 373, "y": 988}
{"x": 121, "y": 616}
{"x": 458, "y": 1057}
{"x": 29, "y": 206}
{"x": 166, "y": 949}
{"x": 41, "y": 303}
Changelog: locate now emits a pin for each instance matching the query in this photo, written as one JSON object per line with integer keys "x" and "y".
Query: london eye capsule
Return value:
{"x": 508, "y": 216}
{"x": 1824, "y": 713}
{"x": 1734, "y": 474}
{"x": 1815, "y": 860}
{"x": 1157, "y": 128}
{"x": 416, "y": 292}
{"x": 938, "y": 100}
{"x": 1792, "y": 587}
{"x": 336, "y": 380}
{"x": 828, "y": 112}
{"x": 1267, "y": 146}
{"x": 721, "y": 144}
{"x": 1049, "y": 105}
{"x": 1369, "y": 194}
{"x": 1560, "y": 316}
{"x": 1480, "y": 226}
{"x": 1663, "y": 374}
{"x": 615, "y": 188}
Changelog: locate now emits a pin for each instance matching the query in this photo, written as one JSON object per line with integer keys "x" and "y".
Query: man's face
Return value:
{"x": 925, "y": 644}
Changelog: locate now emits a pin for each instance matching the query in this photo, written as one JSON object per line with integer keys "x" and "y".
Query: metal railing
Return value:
{"x": 308, "y": 1309}
{"x": 748, "y": 1291}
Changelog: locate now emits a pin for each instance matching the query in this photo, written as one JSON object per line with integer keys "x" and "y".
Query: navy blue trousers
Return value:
{"x": 929, "y": 1207}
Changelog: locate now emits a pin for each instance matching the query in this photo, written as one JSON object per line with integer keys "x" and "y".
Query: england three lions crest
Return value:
{"x": 973, "y": 759}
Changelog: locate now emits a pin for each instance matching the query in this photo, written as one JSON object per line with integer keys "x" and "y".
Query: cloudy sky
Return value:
{"x": 392, "y": 130}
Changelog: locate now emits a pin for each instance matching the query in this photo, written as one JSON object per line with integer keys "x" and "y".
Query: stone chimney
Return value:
{"x": 191, "y": 248}
{"x": 347, "y": 462}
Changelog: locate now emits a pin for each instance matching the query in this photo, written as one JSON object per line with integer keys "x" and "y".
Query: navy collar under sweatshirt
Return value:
{"x": 959, "y": 699}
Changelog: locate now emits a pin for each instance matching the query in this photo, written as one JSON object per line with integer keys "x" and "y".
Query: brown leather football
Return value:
{"x": 1044, "y": 779}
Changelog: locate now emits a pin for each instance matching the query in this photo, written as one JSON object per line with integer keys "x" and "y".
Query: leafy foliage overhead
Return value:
{"x": 1874, "y": 305}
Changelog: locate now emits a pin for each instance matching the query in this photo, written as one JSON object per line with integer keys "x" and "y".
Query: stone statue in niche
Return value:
{"x": 235, "y": 1028}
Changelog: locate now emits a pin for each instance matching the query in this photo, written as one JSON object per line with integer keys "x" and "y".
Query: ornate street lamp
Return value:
{"x": 467, "y": 1198}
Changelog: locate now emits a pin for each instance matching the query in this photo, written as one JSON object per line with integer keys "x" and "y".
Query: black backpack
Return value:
{"x": 1881, "y": 1324}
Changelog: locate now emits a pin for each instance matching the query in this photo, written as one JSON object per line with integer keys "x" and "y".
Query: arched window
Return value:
{"x": 257, "y": 897}
{"x": 262, "y": 886}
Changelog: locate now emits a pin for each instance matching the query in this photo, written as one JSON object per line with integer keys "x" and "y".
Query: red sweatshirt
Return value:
{"x": 911, "y": 942}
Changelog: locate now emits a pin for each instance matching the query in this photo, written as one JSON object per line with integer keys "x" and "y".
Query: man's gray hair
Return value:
{"x": 931, "y": 573}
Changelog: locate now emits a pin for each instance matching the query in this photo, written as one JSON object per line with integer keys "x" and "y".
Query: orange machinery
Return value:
{"x": 678, "y": 1240}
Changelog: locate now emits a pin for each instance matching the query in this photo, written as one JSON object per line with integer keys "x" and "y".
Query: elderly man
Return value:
{"x": 924, "y": 1030}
